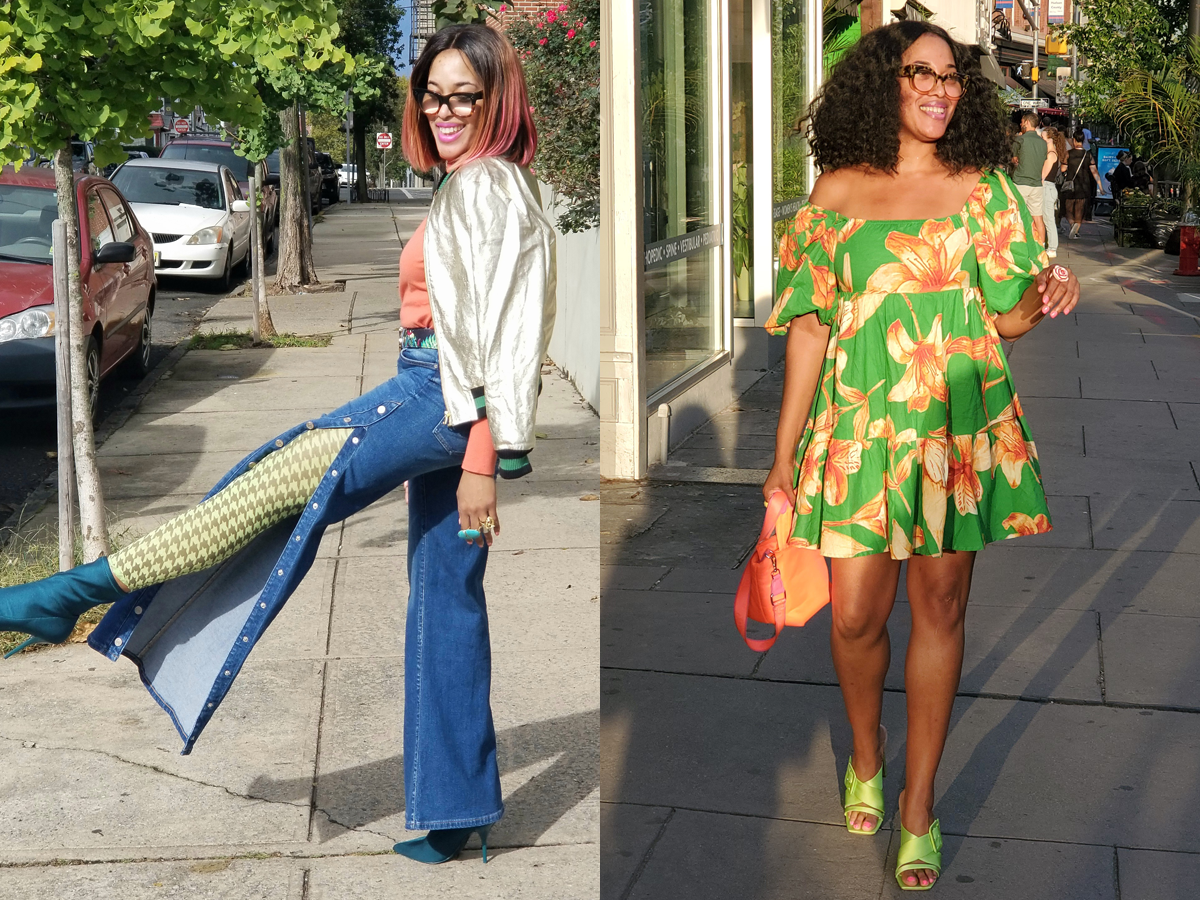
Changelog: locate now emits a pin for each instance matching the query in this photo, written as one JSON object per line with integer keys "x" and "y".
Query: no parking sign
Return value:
{"x": 383, "y": 140}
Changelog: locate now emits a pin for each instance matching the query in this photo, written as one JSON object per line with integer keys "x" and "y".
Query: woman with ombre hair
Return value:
{"x": 477, "y": 281}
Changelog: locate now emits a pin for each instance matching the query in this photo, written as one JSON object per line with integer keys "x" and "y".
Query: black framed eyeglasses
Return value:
{"x": 923, "y": 80}
{"x": 462, "y": 104}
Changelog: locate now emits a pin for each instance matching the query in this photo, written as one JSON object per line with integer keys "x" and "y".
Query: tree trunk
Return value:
{"x": 294, "y": 264}
{"x": 87, "y": 474}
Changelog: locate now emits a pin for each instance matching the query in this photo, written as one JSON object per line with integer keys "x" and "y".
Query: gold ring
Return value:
{"x": 487, "y": 524}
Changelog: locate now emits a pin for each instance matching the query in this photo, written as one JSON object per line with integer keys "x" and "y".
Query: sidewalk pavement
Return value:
{"x": 1070, "y": 770}
{"x": 295, "y": 791}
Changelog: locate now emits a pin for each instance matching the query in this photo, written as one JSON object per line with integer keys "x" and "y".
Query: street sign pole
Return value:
{"x": 1037, "y": 31}
{"x": 62, "y": 376}
{"x": 349, "y": 125}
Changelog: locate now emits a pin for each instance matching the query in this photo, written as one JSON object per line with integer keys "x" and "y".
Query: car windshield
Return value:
{"x": 273, "y": 162}
{"x": 152, "y": 184}
{"x": 213, "y": 153}
{"x": 26, "y": 214}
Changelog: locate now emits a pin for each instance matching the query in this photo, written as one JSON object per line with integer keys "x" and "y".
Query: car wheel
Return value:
{"x": 226, "y": 279}
{"x": 91, "y": 356}
{"x": 138, "y": 362}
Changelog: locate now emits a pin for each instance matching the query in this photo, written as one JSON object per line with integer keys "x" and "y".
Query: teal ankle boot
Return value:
{"x": 442, "y": 844}
{"x": 47, "y": 609}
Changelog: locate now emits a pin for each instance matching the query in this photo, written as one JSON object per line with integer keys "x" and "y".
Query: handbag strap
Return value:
{"x": 741, "y": 608}
{"x": 776, "y": 506}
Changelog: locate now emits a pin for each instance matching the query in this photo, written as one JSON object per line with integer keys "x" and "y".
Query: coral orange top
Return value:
{"x": 480, "y": 457}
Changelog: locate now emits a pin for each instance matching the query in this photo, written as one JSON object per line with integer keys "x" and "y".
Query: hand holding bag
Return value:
{"x": 782, "y": 584}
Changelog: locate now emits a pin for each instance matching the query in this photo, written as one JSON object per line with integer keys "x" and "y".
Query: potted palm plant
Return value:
{"x": 1161, "y": 109}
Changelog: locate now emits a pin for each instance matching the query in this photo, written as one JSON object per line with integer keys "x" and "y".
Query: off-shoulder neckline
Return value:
{"x": 984, "y": 176}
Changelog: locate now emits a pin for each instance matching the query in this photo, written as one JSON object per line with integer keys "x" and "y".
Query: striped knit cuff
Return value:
{"x": 515, "y": 468}
{"x": 480, "y": 403}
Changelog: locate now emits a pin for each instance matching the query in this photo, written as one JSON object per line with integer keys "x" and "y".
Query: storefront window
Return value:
{"x": 789, "y": 91}
{"x": 741, "y": 171}
{"x": 682, "y": 227}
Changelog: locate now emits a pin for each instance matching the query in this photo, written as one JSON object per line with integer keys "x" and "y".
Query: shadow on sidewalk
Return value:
{"x": 361, "y": 795}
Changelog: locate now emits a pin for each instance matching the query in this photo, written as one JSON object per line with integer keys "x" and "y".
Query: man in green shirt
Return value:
{"x": 1030, "y": 154}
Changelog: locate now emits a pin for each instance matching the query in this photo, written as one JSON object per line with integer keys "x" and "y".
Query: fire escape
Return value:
{"x": 421, "y": 27}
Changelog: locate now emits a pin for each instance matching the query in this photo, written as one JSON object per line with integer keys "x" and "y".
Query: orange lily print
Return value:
{"x": 872, "y": 515}
{"x": 925, "y": 377}
{"x": 994, "y": 240}
{"x": 935, "y": 473}
{"x": 970, "y": 456}
{"x": 1010, "y": 451}
{"x": 1024, "y": 525}
{"x": 928, "y": 261}
{"x": 843, "y": 460}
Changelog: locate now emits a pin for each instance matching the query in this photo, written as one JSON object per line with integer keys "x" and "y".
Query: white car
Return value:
{"x": 195, "y": 213}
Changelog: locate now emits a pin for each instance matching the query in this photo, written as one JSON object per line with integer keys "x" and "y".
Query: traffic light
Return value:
{"x": 1033, "y": 75}
{"x": 1057, "y": 47}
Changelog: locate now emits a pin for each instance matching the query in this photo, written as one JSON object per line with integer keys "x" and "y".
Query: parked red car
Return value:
{"x": 116, "y": 274}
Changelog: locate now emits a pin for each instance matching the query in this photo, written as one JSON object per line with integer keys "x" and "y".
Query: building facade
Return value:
{"x": 703, "y": 157}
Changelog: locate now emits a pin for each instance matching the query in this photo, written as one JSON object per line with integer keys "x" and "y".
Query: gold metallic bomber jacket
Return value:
{"x": 490, "y": 272}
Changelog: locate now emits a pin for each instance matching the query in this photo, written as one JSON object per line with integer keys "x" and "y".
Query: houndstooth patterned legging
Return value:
{"x": 278, "y": 486}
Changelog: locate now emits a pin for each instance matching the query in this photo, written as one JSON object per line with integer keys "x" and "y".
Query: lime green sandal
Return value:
{"x": 864, "y": 797}
{"x": 919, "y": 852}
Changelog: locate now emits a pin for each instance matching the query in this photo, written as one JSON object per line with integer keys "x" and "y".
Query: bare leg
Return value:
{"x": 1039, "y": 230}
{"x": 937, "y": 594}
{"x": 863, "y": 592}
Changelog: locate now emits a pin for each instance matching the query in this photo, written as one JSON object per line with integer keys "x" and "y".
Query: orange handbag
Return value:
{"x": 782, "y": 584}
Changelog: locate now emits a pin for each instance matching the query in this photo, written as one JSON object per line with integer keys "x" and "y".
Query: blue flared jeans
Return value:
{"x": 451, "y": 779}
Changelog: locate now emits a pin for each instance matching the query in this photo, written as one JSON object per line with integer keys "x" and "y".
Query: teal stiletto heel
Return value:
{"x": 47, "y": 609}
{"x": 442, "y": 844}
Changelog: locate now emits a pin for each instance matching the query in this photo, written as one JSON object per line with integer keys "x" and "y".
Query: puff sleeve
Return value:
{"x": 1007, "y": 253}
{"x": 806, "y": 282}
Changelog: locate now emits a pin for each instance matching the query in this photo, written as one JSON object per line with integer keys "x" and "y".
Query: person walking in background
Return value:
{"x": 1029, "y": 155}
{"x": 1056, "y": 152}
{"x": 1079, "y": 176}
{"x": 900, "y": 435}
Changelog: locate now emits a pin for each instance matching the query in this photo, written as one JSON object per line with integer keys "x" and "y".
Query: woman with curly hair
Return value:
{"x": 900, "y": 435}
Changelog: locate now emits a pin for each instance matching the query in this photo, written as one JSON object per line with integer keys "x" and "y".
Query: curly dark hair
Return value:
{"x": 855, "y": 119}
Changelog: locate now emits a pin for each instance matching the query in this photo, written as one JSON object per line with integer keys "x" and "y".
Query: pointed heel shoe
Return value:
{"x": 47, "y": 609}
{"x": 442, "y": 844}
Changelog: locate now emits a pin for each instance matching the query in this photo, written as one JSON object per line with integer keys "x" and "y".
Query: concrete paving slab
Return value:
{"x": 773, "y": 860}
{"x": 369, "y": 606}
{"x": 117, "y": 758}
{"x": 1003, "y": 869}
{"x": 1107, "y": 482}
{"x": 232, "y": 430}
{"x": 158, "y": 474}
{"x": 737, "y": 746}
{"x": 282, "y": 362}
{"x": 700, "y": 580}
{"x": 210, "y": 879}
{"x": 570, "y": 873}
{"x": 1169, "y": 526}
{"x": 1077, "y": 774}
{"x": 543, "y": 599}
{"x": 674, "y": 632}
{"x": 626, "y": 835}
{"x": 326, "y": 392}
{"x": 1151, "y": 875}
{"x": 634, "y": 578}
{"x": 1110, "y": 581}
{"x": 1152, "y": 660}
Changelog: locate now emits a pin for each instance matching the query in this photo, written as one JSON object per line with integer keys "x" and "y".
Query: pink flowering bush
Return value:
{"x": 559, "y": 48}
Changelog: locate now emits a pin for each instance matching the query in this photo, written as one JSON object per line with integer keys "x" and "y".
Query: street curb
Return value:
{"x": 37, "y": 499}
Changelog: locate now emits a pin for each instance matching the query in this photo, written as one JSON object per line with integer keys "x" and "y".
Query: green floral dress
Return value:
{"x": 915, "y": 442}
